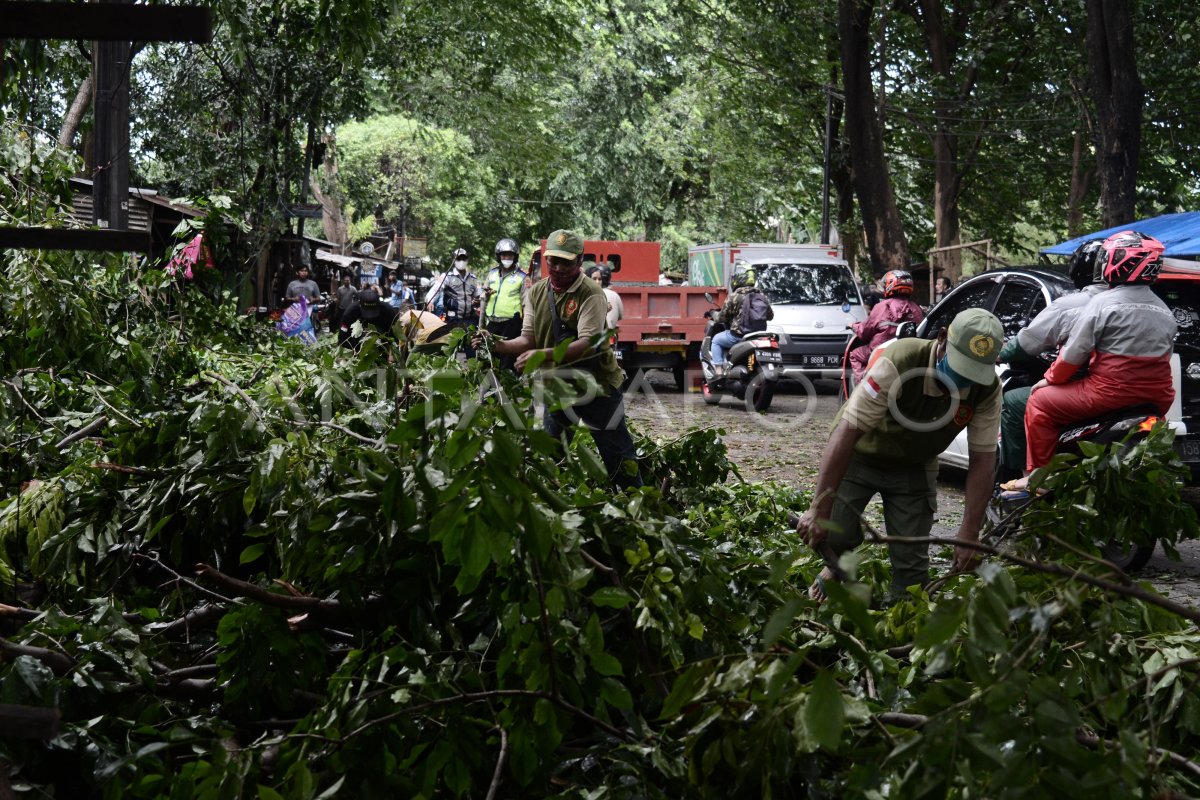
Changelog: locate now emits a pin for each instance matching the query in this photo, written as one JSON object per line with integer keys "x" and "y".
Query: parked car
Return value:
{"x": 1016, "y": 295}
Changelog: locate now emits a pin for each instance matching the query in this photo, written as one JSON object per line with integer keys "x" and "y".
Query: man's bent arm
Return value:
{"x": 981, "y": 475}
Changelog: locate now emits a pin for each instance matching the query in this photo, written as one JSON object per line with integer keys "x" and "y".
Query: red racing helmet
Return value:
{"x": 897, "y": 282}
{"x": 1132, "y": 257}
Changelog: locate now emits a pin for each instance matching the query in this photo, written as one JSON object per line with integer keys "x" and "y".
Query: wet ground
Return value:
{"x": 785, "y": 445}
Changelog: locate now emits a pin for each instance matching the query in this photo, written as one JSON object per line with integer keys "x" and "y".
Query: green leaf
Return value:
{"x": 779, "y": 622}
{"x": 252, "y": 553}
{"x": 824, "y": 713}
{"x": 611, "y": 597}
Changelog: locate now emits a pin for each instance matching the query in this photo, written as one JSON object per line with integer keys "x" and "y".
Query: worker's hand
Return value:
{"x": 481, "y": 338}
{"x": 966, "y": 559}
{"x": 809, "y": 528}
{"x": 524, "y": 357}
{"x": 1039, "y": 385}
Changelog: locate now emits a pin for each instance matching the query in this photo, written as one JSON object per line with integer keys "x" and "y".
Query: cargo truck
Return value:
{"x": 663, "y": 325}
{"x": 811, "y": 289}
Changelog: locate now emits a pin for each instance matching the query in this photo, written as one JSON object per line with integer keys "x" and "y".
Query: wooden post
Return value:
{"x": 110, "y": 181}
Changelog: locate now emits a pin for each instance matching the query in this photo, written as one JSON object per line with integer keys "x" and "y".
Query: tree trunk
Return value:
{"x": 886, "y": 243}
{"x": 945, "y": 203}
{"x": 70, "y": 124}
{"x": 1081, "y": 182}
{"x": 333, "y": 221}
{"x": 1118, "y": 95}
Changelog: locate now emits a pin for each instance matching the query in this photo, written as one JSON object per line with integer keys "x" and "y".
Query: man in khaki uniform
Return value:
{"x": 912, "y": 402}
{"x": 569, "y": 306}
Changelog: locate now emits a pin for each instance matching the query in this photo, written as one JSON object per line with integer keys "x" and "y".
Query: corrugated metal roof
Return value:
{"x": 1179, "y": 232}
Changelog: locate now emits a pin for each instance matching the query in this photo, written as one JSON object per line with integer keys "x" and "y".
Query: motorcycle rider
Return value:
{"x": 1125, "y": 335}
{"x": 880, "y": 325}
{"x": 744, "y": 289}
{"x": 1047, "y": 331}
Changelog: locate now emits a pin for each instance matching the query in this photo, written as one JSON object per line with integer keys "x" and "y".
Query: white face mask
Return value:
{"x": 461, "y": 264}
{"x": 506, "y": 262}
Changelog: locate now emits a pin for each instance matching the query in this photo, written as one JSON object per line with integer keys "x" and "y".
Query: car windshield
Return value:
{"x": 810, "y": 284}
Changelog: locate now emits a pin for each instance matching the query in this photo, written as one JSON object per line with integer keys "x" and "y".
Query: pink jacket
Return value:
{"x": 874, "y": 331}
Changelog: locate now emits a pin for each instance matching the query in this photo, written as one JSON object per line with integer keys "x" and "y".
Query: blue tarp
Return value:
{"x": 1179, "y": 232}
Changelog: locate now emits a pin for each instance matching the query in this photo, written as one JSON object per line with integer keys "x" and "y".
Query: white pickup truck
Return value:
{"x": 812, "y": 292}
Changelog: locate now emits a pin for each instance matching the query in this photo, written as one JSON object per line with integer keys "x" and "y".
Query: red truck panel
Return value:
{"x": 665, "y": 312}
{"x": 639, "y": 261}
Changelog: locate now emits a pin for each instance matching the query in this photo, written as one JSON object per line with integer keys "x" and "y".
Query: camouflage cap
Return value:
{"x": 564, "y": 244}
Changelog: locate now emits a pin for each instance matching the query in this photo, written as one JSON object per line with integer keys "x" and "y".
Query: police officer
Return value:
{"x": 461, "y": 293}
{"x": 569, "y": 306}
{"x": 504, "y": 296}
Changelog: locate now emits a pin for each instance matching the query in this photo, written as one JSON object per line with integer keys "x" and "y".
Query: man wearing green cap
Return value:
{"x": 912, "y": 402}
{"x": 569, "y": 306}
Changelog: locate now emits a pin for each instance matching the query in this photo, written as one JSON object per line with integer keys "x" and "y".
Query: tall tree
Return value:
{"x": 886, "y": 241}
{"x": 1118, "y": 95}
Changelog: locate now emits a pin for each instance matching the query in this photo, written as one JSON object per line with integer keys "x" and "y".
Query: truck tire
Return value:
{"x": 680, "y": 373}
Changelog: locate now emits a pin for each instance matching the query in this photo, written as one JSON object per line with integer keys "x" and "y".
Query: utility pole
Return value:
{"x": 110, "y": 180}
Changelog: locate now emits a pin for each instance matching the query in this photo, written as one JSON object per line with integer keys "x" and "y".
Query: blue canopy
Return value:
{"x": 1179, "y": 232}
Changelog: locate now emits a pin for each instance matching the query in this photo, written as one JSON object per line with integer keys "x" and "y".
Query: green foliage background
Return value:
{"x": 278, "y": 571}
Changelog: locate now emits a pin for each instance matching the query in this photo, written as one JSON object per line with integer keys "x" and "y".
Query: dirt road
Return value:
{"x": 785, "y": 445}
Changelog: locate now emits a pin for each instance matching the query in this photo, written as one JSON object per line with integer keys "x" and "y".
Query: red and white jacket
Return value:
{"x": 1125, "y": 336}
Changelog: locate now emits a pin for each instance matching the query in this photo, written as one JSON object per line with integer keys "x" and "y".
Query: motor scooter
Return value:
{"x": 1002, "y": 519}
{"x": 755, "y": 365}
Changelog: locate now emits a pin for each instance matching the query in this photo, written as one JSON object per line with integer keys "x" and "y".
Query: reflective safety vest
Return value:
{"x": 507, "y": 291}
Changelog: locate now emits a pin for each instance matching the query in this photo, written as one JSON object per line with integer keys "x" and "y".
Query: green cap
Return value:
{"x": 564, "y": 244}
{"x": 974, "y": 341}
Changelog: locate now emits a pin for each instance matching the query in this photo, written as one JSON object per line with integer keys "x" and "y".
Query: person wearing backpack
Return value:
{"x": 746, "y": 310}
{"x": 887, "y": 315}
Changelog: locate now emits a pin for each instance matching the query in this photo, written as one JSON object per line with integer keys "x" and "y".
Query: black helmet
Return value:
{"x": 1083, "y": 267}
{"x": 507, "y": 246}
{"x": 605, "y": 276}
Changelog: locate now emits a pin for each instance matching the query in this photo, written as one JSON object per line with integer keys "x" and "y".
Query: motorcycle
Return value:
{"x": 1002, "y": 520}
{"x": 755, "y": 365}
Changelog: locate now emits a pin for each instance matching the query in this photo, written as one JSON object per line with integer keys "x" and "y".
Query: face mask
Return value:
{"x": 943, "y": 366}
{"x": 461, "y": 264}
{"x": 506, "y": 262}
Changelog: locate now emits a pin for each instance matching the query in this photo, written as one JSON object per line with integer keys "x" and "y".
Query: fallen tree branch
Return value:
{"x": 471, "y": 697}
{"x": 59, "y": 663}
{"x": 202, "y": 617}
{"x": 498, "y": 773}
{"x": 186, "y": 581}
{"x": 305, "y": 604}
{"x": 250, "y": 404}
{"x": 87, "y": 430}
{"x": 138, "y": 471}
{"x": 1052, "y": 568}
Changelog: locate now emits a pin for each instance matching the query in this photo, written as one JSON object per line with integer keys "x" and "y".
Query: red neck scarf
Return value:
{"x": 562, "y": 281}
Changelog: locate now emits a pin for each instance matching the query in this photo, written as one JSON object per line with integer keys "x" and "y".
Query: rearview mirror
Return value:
{"x": 708, "y": 296}
{"x": 907, "y": 330}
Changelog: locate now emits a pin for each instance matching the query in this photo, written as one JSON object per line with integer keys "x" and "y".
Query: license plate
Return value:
{"x": 1188, "y": 449}
{"x": 821, "y": 361}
